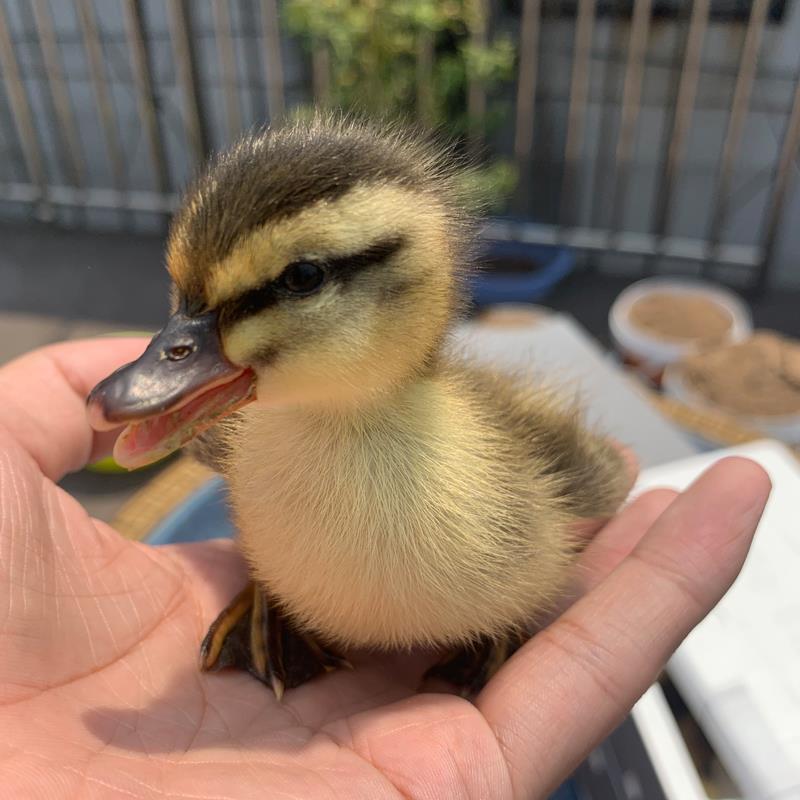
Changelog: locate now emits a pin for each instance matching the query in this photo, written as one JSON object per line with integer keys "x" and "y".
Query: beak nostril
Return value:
{"x": 182, "y": 360}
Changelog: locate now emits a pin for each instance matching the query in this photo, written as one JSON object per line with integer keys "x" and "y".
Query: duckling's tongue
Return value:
{"x": 151, "y": 439}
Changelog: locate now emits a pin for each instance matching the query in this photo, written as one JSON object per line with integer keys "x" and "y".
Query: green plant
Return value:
{"x": 423, "y": 60}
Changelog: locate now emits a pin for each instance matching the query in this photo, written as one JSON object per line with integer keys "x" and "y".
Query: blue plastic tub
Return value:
{"x": 533, "y": 272}
{"x": 203, "y": 516}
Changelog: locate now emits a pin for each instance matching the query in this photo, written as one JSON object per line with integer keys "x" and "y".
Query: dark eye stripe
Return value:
{"x": 249, "y": 303}
{"x": 342, "y": 269}
{"x": 345, "y": 267}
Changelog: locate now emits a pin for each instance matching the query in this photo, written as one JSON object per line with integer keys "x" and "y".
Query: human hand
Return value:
{"x": 101, "y": 697}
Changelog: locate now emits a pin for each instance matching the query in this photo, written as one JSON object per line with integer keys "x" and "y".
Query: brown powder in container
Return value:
{"x": 682, "y": 317}
{"x": 758, "y": 377}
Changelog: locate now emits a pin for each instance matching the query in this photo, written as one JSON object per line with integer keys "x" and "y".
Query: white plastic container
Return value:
{"x": 650, "y": 354}
{"x": 783, "y": 427}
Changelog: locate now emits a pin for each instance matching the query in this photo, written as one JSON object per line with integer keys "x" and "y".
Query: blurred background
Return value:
{"x": 646, "y": 137}
{"x": 617, "y": 141}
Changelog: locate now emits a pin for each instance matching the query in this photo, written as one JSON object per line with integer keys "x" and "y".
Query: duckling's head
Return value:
{"x": 318, "y": 264}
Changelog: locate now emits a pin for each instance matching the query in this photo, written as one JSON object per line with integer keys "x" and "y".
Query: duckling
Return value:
{"x": 387, "y": 493}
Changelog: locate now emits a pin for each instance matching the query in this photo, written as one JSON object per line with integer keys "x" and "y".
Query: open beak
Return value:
{"x": 181, "y": 385}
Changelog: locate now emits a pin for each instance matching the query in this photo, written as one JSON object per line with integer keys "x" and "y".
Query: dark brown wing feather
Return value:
{"x": 551, "y": 429}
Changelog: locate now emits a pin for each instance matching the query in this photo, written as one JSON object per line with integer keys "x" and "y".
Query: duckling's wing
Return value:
{"x": 213, "y": 447}
{"x": 550, "y": 427}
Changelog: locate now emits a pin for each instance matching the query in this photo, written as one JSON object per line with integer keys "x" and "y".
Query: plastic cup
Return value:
{"x": 647, "y": 352}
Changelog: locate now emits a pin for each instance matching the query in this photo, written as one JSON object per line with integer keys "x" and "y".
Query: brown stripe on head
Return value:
{"x": 274, "y": 176}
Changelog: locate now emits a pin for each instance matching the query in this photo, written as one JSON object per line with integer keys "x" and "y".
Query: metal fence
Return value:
{"x": 112, "y": 105}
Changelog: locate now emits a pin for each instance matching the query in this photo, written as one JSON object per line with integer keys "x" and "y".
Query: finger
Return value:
{"x": 43, "y": 400}
{"x": 610, "y": 546}
{"x": 575, "y": 681}
{"x": 619, "y": 536}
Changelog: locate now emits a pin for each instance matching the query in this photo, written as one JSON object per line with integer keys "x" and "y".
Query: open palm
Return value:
{"x": 100, "y": 694}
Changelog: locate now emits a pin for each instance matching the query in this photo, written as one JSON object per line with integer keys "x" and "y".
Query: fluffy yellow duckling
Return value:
{"x": 386, "y": 493}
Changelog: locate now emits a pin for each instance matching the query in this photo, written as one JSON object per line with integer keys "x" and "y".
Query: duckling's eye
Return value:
{"x": 301, "y": 278}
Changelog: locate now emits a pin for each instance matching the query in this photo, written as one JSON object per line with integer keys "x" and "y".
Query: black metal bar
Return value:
{"x": 576, "y": 115}
{"x": 526, "y": 81}
{"x": 227, "y": 60}
{"x": 476, "y": 90}
{"x": 634, "y": 244}
{"x": 145, "y": 96}
{"x": 273, "y": 61}
{"x": 790, "y": 148}
{"x": 733, "y": 136}
{"x": 102, "y": 92}
{"x": 21, "y": 110}
{"x": 681, "y": 118}
{"x": 631, "y": 103}
{"x": 72, "y": 197}
{"x": 59, "y": 93}
{"x": 186, "y": 70}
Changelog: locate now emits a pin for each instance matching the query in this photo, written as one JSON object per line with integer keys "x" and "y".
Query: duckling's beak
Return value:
{"x": 181, "y": 385}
